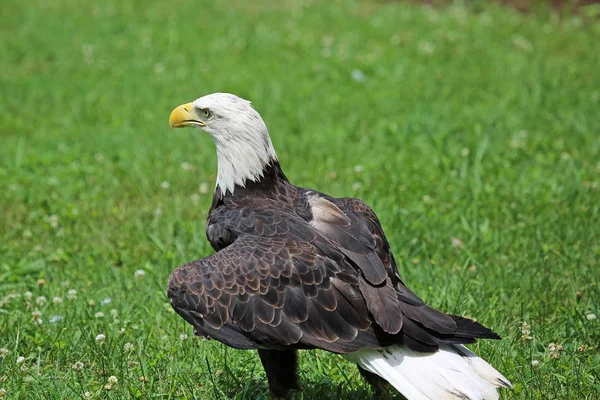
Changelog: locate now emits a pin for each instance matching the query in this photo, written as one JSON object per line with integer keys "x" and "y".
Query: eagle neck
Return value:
{"x": 242, "y": 157}
{"x": 272, "y": 182}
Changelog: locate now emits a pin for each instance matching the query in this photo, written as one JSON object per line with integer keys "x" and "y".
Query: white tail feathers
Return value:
{"x": 453, "y": 372}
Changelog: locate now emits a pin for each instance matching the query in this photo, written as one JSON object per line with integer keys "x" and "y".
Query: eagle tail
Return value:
{"x": 453, "y": 372}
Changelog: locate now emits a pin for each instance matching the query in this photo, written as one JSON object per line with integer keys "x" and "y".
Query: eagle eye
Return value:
{"x": 206, "y": 112}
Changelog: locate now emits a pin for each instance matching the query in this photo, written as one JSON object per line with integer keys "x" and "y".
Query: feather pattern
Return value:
{"x": 298, "y": 269}
{"x": 277, "y": 269}
{"x": 453, "y": 372}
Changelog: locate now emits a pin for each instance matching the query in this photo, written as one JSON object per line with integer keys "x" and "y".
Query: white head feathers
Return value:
{"x": 244, "y": 147}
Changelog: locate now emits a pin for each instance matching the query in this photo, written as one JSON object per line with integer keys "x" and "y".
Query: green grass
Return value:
{"x": 476, "y": 123}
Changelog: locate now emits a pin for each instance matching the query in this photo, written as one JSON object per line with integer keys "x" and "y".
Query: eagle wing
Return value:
{"x": 354, "y": 228}
{"x": 328, "y": 283}
{"x": 275, "y": 291}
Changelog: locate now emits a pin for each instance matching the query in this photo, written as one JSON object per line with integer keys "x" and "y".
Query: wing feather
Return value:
{"x": 307, "y": 312}
{"x": 326, "y": 280}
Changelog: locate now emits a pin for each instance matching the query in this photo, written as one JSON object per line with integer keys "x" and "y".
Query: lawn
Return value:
{"x": 472, "y": 130}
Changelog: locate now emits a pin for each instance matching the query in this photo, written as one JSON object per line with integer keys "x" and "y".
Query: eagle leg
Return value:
{"x": 381, "y": 387}
{"x": 281, "y": 367}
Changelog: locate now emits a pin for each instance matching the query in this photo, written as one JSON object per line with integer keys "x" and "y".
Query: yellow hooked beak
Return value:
{"x": 183, "y": 116}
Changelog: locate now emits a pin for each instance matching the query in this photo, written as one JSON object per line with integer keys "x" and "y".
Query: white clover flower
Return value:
{"x": 456, "y": 243}
{"x": 139, "y": 274}
{"x": 64, "y": 284}
{"x": 112, "y": 380}
{"x": 88, "y": 56}
{"x": 53, "y": 220}
{"x": 41, "y": 282}
{"x": 91, "y": 303}
{"x": 183, "y": 337}
{"x": 203, "y": 189}
{"x": 28, "y": 379}
{"x": 20, "y": 360}
{"x": 128, "y": 347}
{"x": 525, "y": 332}
{"x": 3, "y": 352}
{"x": 555, "y": 350}
{"x": 99, "y": 314}
{"x": 186, "y": 166}
{"x": 114, "y": 313}
{"x": 87, "y": 395}
{"x": 535, "y": 363}
{"x": 100, "y": 338}
{"x": 164, "y": 338}
{"x": 78, "y": 366}
{"x": 36, "y": 317}
{"x": 358, "y": 168}
{"x": 27, "y": 295}
{"x": 195, "y": 197}
{"x": 99, "y": 157}
{"x": 106, "y": 301}
{"x": 55, "y": 318}
{"x": 426, "y": 47}
{"x": 591, "y": 317}
{"x": 57, "y": 300}
{"x": 6, "y": 299}
{"x": 165, "y": 185}
{"x": 522, "y": 44}
{"x": 358, "y": 75}
{"x": 356, "y": 185}
{"x": 72, "y": 294}
{"x": 122, "y": 331}
{"x": 41, "y": 300}
{"x": 159, "y": 68}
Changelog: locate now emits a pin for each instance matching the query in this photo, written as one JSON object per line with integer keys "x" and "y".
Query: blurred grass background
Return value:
{"x": 471, "y": 128}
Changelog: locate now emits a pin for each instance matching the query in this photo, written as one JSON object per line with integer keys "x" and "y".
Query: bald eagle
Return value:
{"x": 297, "y": 269}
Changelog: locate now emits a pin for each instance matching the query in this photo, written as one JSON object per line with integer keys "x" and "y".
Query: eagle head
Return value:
{"x": 243, "y": 144}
